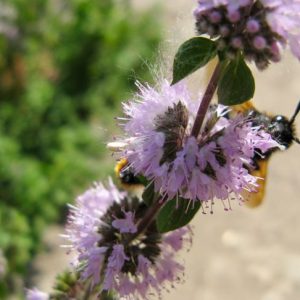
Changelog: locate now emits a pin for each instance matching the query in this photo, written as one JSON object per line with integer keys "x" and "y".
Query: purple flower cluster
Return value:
{"x": 214, "y": 165}
{"x": 258, "y": 28}
{"x": 102, "y": 229}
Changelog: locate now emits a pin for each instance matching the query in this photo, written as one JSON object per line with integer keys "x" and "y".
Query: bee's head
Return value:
{"x": 282, "y": 129}
{"x": 126, "y": 175}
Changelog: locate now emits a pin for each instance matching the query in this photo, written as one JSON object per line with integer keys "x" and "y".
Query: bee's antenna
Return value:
{"x": 296, "y": 140}
{"x": 295, "y": 114}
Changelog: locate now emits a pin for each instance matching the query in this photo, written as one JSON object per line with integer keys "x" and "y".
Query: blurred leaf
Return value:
{"x": 176, "y": 213}
{"x": 192, "y": 55}
{"x": 149, "y": 195}
{"x": 236, "y": 84}
{"x": 63, "y": 76}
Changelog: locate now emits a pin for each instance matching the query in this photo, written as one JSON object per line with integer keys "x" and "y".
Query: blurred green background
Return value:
{"x": 65, "y": 66}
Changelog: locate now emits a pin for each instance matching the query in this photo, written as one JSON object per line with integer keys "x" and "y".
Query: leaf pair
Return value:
{"x": 236, "y": 83}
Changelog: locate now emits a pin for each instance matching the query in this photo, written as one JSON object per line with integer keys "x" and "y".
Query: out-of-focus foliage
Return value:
{"x": 65, "y": 66}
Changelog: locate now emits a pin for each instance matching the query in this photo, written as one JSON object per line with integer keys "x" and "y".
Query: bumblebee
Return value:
{"x": 126, "y": 176}
{"x": 281, "y": 130}
{"x": 279, "y": 127}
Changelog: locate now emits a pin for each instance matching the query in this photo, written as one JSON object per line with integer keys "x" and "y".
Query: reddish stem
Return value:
{"x": 207, "y": 97}
{"x": 148, "y": 218}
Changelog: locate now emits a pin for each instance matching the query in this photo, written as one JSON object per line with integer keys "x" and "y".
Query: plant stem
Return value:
{"x": 148, "y": 218}
{"x": 150, "y": 215}
{"x": 210, "y": 90}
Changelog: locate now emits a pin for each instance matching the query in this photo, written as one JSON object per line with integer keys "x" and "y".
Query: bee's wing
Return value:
{"x": 255, "y": 199}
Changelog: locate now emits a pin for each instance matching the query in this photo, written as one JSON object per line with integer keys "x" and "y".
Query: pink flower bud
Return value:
{"x": 224, "y": 31}
{"x": 215, "y": 17}
{"x": 253, "y": 26}
{"x": 234, "y": 16}
{"x": 237, "y": 43}
{"x": 259, "y": 42}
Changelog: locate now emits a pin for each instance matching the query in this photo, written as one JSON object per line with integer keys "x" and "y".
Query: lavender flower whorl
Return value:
{"x": 160, "y": 146}
{"x": 102, "y": 227}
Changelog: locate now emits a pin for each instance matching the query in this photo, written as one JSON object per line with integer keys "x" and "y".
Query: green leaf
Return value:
{"x": 149, "y": 195}
{"x": 192, "y": 55}
{"x": 142, "y": 179}
{"x": 236, "y": 84}
{"x": 176, "y": 213}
